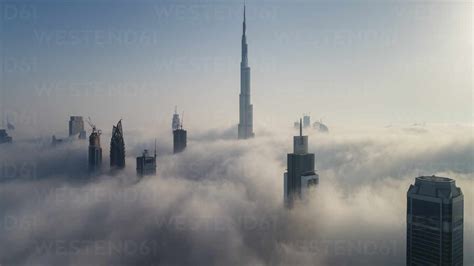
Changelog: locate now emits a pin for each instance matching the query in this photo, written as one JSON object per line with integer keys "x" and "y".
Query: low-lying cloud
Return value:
{"x": 220, "y": 202}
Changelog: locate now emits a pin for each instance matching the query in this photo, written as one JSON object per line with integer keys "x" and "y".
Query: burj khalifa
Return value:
{"x": 246, "y": 108}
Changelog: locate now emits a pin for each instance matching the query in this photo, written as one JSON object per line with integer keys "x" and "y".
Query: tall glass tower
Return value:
{"x": 245, "y": 129}
{"x": 301, "y": 175}
{"x": 117, "y": 147}
{"x": 95, "y": 151}
{"x": 435, "y": 212}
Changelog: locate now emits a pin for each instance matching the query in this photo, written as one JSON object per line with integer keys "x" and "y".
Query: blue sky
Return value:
{"x": 345, "y": 61}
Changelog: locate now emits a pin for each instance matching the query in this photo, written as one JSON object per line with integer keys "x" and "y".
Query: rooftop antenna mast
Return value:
{"x": 155, "y": 148}
{"x": 301, "y": 131}
{"x": 182, "y": 119}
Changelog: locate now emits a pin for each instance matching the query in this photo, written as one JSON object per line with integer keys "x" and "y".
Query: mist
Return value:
{"x": 220, "y": 202}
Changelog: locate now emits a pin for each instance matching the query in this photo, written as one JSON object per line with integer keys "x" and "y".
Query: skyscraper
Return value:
{"x": 300, "y": 175}
{"x": 95, "y": 150}
{"x": 175, "y": 122}
{"x": 4, "y": 138}
{"x": 117, "y": 147}
{"x": 245, "y": 128}
{"x": 179, "y": 139}
{"x": 76, "y": 127}
{"x": 306, "y": 121}
{"x": 435, "y": 214}
{"x": 146, "y": 165}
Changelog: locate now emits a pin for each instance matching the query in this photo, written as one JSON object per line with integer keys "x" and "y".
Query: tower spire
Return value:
{"x": 301, "y": 128}
{"x": 244, "y": 24}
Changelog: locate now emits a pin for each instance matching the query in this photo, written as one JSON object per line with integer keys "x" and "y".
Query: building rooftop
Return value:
{"x": 434, "y": 178}
{"x": 435, "y": 186}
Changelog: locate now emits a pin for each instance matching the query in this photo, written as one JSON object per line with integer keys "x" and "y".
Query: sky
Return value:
{"x": 346, "y": 62}
{"x": 392, "y": 80}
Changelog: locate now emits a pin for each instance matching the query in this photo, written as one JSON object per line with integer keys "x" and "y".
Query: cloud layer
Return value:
{"x": 220, "y": 202}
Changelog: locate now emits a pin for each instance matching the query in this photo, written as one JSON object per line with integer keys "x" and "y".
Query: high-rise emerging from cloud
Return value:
{"x": 175, "y": 122}
{"x": 435, "y": 215}
{"x": 95, "y": 150}
{"x": 146, "y": 164}
{"x": 4, "y": 138}
{"x": 245, "y": 128}
{"x": 179, "y": 140}
{"x": 76, "y": 127}
{"x": 300, "y": 175}
{"x": 117, "y": 147}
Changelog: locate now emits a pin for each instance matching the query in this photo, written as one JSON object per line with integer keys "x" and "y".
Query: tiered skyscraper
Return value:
{"x": 300, "y": 175}
{"x": 117, "y": 147}
{"x": 245, "y": 128}
{"x": 435, "y": 218}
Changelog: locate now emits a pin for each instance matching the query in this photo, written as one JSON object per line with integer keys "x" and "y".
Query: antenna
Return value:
{"x": 175, "y": 109}
{"x": 155, "y": 148}
{"x": 301, "y": 132}
{"x": 182, "y": 119}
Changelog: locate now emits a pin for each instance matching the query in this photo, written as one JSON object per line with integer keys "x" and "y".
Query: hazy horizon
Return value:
{"x": 346, "y": 62}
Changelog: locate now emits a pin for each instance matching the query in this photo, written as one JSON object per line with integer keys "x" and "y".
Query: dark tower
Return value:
{"x": 95, "y": 150}
{"x": 179, "y": 140}
{"x": 300, "y": 174}
{"x": 117, "y": 147}
{"x": 435, "y": 212}
{"x": 146, "y": 165}
{"x": 245, "y": 128}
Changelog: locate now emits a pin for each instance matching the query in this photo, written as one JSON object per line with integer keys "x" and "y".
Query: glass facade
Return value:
{"x": 434, "y": 222}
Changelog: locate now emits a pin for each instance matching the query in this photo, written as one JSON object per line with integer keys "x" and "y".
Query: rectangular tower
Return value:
{"x": 179, "y": 140}
{"x": 300, "y": 174}
{"x": 76, "y": 127}
{"x": 146, "y": 165}
{"x": 435, "y": 212}
{"x": 95, "y": 150}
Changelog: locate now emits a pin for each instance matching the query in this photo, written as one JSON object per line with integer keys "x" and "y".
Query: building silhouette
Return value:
{"x": 146, "y": 165}
{"x": 245, "y": 127}
{"x": 4, "y": 138}
{"x": 435, "y": 215}
{"x": 76, "y": 127}
{"x": 300, "y": 175}
{"x": 175, "y": 122}
{"x": 95, "y": 150}
{"x": 117, "y": 147}
{"x": 179, "y": 139}
{"x": 55, "y": 141}
{"x": 306, "y": 121}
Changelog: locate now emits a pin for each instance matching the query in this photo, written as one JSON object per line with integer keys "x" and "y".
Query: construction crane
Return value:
{"x": 94, "y": 128}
